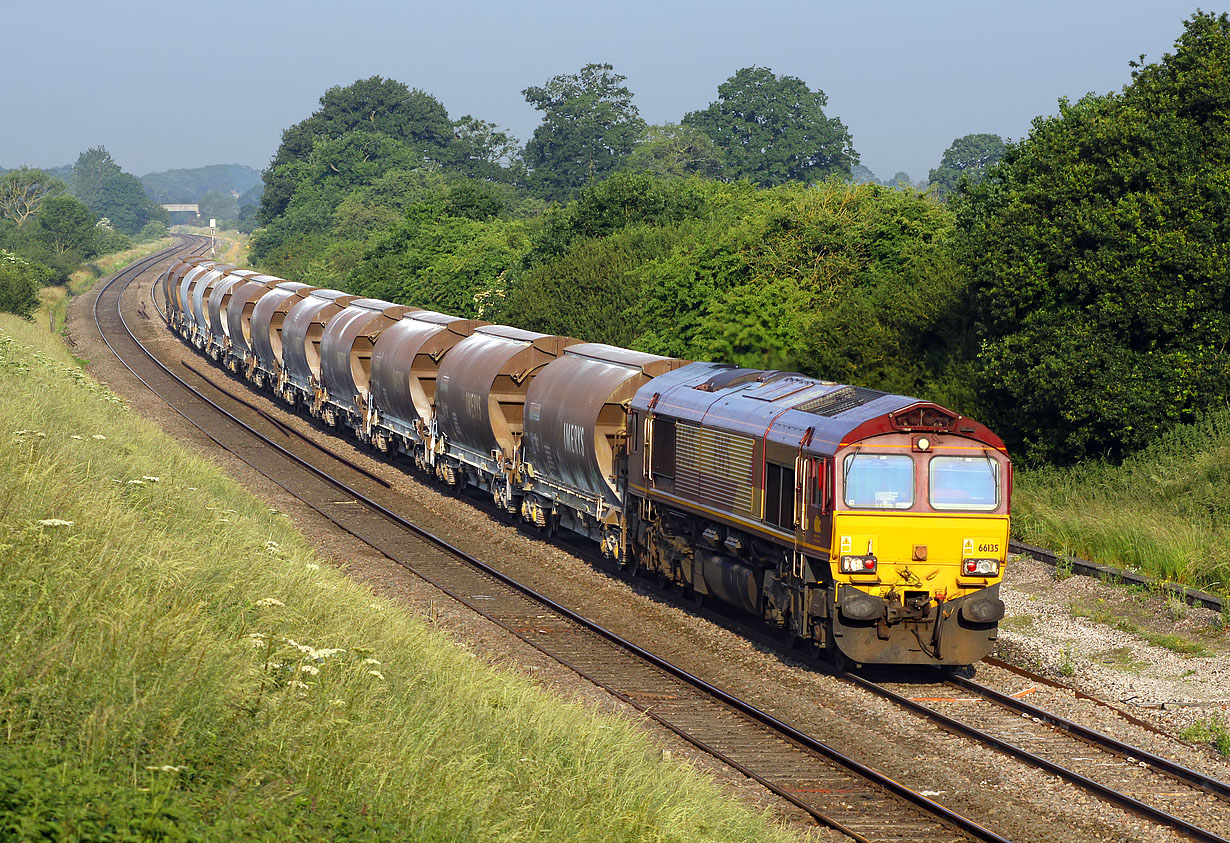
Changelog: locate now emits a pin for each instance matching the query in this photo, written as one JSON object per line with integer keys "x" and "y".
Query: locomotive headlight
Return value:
{"x": 980, "y": 567}
{"x": 858, "y": 564}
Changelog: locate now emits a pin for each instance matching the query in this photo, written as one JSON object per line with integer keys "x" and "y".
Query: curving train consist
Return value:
{"x": 872, "y": 525}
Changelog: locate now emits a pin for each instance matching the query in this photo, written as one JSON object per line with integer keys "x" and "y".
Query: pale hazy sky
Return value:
{"x": 165, "y": 85}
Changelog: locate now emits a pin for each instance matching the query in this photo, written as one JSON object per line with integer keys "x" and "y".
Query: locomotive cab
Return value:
{"x": 919, "y": 538}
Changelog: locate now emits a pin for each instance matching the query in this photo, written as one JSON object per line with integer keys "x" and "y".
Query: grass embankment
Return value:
{"x": 176, "y": 664}
{"x": 54, "y": 300}
{"x": 1164, "y": 512}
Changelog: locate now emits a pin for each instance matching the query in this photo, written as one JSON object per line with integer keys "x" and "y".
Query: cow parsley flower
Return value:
{"x": 55, "y": 522}
{"x": 269, "y": 602}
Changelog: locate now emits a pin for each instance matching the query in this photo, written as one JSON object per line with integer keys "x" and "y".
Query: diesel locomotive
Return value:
{"x": 871, "y": 526}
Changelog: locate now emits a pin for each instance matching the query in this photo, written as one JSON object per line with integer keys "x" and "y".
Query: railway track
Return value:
{"x": 1189, "y": 802}
{"x": 835, "y": 790}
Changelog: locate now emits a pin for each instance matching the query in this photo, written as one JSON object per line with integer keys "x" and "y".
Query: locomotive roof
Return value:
{"x": 753, "y": 401}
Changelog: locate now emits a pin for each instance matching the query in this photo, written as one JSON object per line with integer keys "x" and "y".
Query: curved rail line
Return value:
{"x": 831, "y": 787}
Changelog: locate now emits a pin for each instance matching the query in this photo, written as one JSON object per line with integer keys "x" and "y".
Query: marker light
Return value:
{"x": 980, "y": 567}
{"x": 858, "y": 564}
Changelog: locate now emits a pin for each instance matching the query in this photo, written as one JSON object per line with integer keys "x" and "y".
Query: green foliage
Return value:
{"x": 22, "y": 192}
{"x": 1214, "y": 730}
{"x": 773, "y": 130}
{"x": 110, "y": 192}
{"x": 179, "y": 186}
{"x": 440, "y": 260}
{"x": 676, "y": 150}
{"x": 373, "y": 106}
{"x": 60, "y": 236}
{"x": 1101, "y": 280}
{"x": 968, "y": 158}
{"x": 589, "y": 126}
{"x": 847, "y": 282}
{"x": 153, "y": 230}
{"x": 19, "y": 284}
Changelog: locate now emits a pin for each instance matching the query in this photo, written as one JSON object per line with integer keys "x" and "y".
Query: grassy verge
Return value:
{"x": 54, "y": 300}
{"x": 177, "y": 665}
{"x": 1165, "y": 512}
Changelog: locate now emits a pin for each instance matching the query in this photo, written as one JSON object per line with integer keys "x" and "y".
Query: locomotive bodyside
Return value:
{"x": 761, "y": 489}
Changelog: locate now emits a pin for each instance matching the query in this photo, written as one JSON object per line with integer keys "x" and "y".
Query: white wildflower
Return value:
{"x": 167, "y": 768}
{"x": 100, "y": 437}
{"x": 55, "y": 522}
{"x": 76, "y": 436}
{"x": 257, "y": 639}
{"x": 150, "y": 479}
{"x": 269, "y": 602}
{"x": 312, "y": 566}
{"x": 327, "y": 653}
{"x": 41, "y": 435}
{"x": 297, "y": 685}
{"x": 136, "y": 482}
{"x": 375, "y": 673}
{"x": 371, "y": 662}
{"x": 310, "y": 669}
{"x": 375, "y": 606}
{"x": 338, "y": 703}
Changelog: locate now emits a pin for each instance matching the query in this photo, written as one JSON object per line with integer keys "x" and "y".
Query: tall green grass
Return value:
{"x": 175, "y": 664}
{"x": 1165, "y": 511}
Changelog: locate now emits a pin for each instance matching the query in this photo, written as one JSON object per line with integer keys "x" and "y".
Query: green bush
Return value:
{"x": 1100, "y": 274}
{"x": 20, "y": 281}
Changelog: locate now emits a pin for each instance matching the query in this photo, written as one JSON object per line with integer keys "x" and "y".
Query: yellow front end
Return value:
{"x": 920, "y": 551}
{"x": 919, "y": 604}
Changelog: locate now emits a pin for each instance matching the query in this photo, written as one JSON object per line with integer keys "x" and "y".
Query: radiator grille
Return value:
{"x": 715, "y": 467}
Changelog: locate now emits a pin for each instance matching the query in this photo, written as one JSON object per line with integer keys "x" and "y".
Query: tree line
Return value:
{"x": 1070, "y": 288}
{"x": 49, "y": 226}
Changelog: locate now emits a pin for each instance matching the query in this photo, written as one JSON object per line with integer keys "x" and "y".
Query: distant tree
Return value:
{"x": 94, "y": 170}
{"x": 219, "y": 205}
{"x": 64, "y": 225}
{"x": 22, "y": 191}
{"x": 374, "y": 105}
{"x": 773, "y": 129}
{"x": 110, "y": 192}
{"x": 152, "y": 230}
{"x": 1100, "y": 273}
{"x": 862, "y": 175}
{"x": 674, "y": 150}
{"x": 589, "y": 125}
{"x": 969, "y": 157}
{"x": 482, "y": 149}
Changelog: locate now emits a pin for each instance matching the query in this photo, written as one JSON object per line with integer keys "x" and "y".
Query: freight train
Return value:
{"x": 871, "y": 526}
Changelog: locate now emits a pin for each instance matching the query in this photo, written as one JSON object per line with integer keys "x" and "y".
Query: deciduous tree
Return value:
{"x": 968, "y": 158}
{"x": 773, "y": 129}
{"x": 23, "y": 190}
{"x": 373, "y": 105}
{"x": 589, "y": 125}
{"x": 1097, "y": 248}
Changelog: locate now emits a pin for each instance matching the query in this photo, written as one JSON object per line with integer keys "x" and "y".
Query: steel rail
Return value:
{"x": 1092, "y": 736}
{"x": 1100, "y": 790}
{"x": 940, "y": 812}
